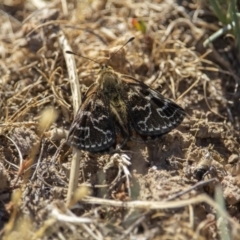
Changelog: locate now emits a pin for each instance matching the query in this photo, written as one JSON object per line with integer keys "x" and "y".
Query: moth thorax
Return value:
{"x": 110, "y": 84}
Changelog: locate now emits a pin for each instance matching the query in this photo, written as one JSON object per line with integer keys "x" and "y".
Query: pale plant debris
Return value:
{"x": 129, "y": 192}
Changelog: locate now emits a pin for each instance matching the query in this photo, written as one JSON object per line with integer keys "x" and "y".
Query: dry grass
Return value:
{"x": 164, "y": 200}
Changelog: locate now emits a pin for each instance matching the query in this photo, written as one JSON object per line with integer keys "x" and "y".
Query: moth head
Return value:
{"x": 105, "y": 68}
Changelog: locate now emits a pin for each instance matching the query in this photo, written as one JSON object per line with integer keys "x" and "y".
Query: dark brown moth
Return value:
{"x": 119, "y": 107}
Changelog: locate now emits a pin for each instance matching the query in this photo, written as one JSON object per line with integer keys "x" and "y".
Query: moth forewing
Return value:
{"x": 93, "y": 129}
{"x": 150, "y": 113}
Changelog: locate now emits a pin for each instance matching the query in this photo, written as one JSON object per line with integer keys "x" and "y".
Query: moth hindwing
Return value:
{"x": 117, "y": 108}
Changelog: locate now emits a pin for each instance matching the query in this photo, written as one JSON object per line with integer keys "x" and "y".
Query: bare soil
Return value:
{"x": 186, "y": 185}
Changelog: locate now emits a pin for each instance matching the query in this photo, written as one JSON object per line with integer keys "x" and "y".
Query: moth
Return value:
{"x": 117, "y": 108}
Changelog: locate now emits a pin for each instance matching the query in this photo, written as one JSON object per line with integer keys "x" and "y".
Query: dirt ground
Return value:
{"x": 185, "y": 185}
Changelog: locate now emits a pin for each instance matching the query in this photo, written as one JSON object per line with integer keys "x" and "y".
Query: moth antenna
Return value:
{"x": 128, "y": 41}
{"x": 70, "y": 52}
